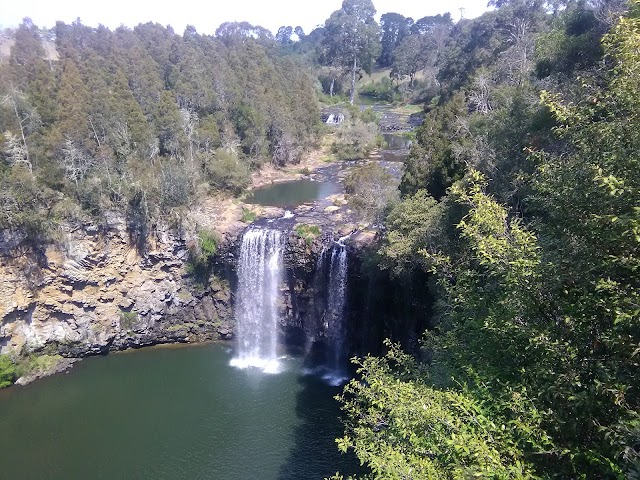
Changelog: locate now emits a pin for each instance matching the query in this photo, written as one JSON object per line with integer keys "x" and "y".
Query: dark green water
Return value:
{"x": 171, "y": 413}
{"x": 294, "y": 193}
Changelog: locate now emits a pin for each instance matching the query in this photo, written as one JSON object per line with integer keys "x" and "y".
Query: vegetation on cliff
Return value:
{"x": 524, "y": 206}
{"x": 8, "y": 373}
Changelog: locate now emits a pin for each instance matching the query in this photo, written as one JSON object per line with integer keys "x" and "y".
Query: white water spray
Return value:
{"x": 259, "y": 278}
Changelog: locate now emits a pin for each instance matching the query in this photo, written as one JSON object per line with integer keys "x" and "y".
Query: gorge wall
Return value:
{"x": 93, "y": 292}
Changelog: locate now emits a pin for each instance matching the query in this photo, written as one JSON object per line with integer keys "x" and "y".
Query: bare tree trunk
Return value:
{"x": 353, "y": 80}
{"x": 20, "y": 124}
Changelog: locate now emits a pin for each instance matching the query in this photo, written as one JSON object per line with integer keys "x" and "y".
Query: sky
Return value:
{"x": 207, "y": 15}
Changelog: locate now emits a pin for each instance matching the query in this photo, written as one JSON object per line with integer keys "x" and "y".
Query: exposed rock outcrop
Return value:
{"x": 94, "y": 292}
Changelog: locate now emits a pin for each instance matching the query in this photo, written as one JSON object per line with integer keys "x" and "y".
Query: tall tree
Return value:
{"x": 352, "y": 38}
{"x": 395, "y": 28}
{"x": 73, "y": 98}
{"x": 410, "y": 57}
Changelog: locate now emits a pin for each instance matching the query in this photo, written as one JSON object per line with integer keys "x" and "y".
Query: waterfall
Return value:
{"x": 336, "y": 296}
{"x": 259, "y": 278}
{"x": 334, "y": 315}
{"x": 333, "y": 119}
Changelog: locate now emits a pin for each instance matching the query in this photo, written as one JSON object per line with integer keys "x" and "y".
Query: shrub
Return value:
{"x": 200, "y": 254}
{"x": 225, "y": 171}
{"x": 8, "y": 373}
{"x": 24, "y": 204}
{"x": 208, "y": 242}
{"x": 355, "y": 140}
{"x": 248, "y": 216}
{"x": 128, "y": 320}
{"x": 175, "y": 186}
{"x": 382, "y": 90}
{"x": 371, "y": 189}
{"x": 308, "y": 232}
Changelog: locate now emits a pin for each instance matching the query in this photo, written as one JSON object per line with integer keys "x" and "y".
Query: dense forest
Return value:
{"x": 519, "y": 204}
{"x": 142, "y": 120}
{"x": 520, "y": 208}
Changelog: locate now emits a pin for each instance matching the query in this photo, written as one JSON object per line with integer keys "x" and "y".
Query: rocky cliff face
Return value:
{"x": 94, "y": 292}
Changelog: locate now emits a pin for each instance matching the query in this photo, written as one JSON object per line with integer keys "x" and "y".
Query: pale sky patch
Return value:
{"x": 207, "y": 16}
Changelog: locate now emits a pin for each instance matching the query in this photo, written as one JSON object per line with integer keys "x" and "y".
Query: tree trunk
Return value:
{"x": 353, "y": 80}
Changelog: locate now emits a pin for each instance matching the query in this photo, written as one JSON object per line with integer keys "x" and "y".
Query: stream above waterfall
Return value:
{"x": 172, "y": 412}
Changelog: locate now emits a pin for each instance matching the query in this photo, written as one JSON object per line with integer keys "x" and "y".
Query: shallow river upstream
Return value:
{"x": 172, "y": 413}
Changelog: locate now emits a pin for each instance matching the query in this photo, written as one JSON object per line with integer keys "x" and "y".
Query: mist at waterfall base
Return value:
{"x": 172, "y": 412}
{"x": 260, "y": 276}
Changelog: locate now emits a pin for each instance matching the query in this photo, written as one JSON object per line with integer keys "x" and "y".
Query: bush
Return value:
{"x": 355, "y": 140}
{"x": 225, "y": 171}
{"x": 371, "y": 189}
{"x": 175, "y": 186}
{"x": 208, "y": 244}
{"x": 201, "y": 252}
{"x": 325, "y": 81}
{"x": 248, "y": 216}
{"x": 382, "y": 90}
{"x": 128, "y": 320}
{"x": 24, "y": 204}
{"x": 8, "y": 373}
{"x": 308, "y": 232}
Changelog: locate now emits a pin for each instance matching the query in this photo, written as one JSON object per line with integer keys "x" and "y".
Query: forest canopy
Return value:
{"x": 139, "y": 119}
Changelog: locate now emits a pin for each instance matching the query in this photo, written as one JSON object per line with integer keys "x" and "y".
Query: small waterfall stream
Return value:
{"x": 259, "y": 277}
{"x": 333, "y": 265}
{"x": 336, "y": 296}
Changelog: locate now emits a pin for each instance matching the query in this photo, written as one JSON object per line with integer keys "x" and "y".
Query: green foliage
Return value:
{"x": 208, "y": 242}
{"x": 248, "y": 216}
{"x": 201, "y": 253}
{"x": 24, "y": 204}
{"x": 307, "y": 232}
{"x": 355, "y": 140}
{"x": 395, "y": 28}
{"x": 532, "y": 369}
{"x": 371, "y": 190}
{"x": 383, "y": 90}
{"x": 402, "y": 426}
{"x": 225, "y": 171}
{"x": 573, "y": 43}
{"x": 351, "y": 39}
{"x": 434, "y": 163}
{"x": 144, "y": 114}
{"x": 128, "y": 319}
{"x": 418, "y": 223}
{"x": 37, "y": 364}
{"x": 411, "y": 56}
{"x": 8, "y": 372}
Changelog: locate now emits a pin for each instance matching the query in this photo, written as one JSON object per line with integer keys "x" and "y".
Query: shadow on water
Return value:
{"x": 314, "y": 448}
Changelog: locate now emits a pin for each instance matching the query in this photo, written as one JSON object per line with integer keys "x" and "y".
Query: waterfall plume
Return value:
{"x": 259, "y": 278}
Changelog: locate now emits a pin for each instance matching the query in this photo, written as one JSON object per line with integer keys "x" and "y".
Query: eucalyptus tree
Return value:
{"x": 394, "y": 28}
{"x": 352, "y": 39}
